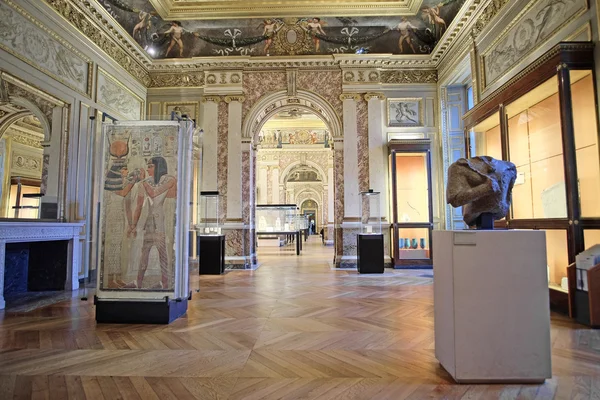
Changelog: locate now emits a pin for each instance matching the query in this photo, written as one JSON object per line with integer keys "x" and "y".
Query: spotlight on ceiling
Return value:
{"x": 152, "y": 51}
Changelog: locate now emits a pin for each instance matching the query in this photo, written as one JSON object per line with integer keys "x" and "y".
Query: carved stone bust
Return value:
{"x": 482, "y": 185}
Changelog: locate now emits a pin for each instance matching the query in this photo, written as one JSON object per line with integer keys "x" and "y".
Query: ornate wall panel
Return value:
{"x": 539, "y": 21}
{"x": 257, "y": 84}
{"x": 116, "y": 97}
{"x": 27, "y": 39}
{"x": 327, "y": 84}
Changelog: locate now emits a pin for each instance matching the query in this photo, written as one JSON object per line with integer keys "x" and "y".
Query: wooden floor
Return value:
{"x": 293, "y": 329}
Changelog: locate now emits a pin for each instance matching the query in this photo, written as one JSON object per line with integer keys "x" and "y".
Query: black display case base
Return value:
{"x": 211, "y": 254}
{"x": 139, "y": 312}
{"x": 370, "y": 258}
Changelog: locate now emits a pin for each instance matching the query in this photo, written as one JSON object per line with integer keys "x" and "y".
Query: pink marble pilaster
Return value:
{"x": 222, "y": 146}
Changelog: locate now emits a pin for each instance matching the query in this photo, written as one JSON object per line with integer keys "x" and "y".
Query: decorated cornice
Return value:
{"x": 489, "y": 12}
{"x": 374, "y": 96}
{"x": 94, "y": 22}
{"x": 214, "y": 99}
{"x": 239, "y": 99}
{"x": 350, "y": 96}
{"x": 168, "y": 80}
{"x": 408, "y": 76}
{"x": 128, "y": 59}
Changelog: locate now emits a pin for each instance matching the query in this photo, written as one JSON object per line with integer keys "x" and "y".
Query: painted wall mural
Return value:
{"x": 416, "y": 34}
{"x": 40, "y": 48}
{"x": 542, "y": 20}
{"x": 139, "y": 208}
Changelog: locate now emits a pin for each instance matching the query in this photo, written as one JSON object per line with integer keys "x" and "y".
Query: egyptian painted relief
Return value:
{"x": 311, "y": 35}
{"x": 139, "y": 208}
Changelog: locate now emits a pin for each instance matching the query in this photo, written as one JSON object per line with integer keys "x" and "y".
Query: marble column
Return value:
{"x": 330, "y": 206}
{"x": 210, "y": 120}
{"x": 378, "y": 154}
{"x": 249, "y": 202}
{"x": 233, "y": 226}
{"x": 355, "y": 167}
{"x": 269, "y": 185}
{"x": 275, "y": 185}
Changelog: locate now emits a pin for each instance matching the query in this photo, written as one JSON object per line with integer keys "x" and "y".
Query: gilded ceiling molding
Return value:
{"x": 234, "y": 9}
{"x": 70, "y": 10}
{"x": 168, "y": 80}
{"x": 409, "y": 76}
{"x": 214, "y": 99}
{"x": 350, "y": 96}
{"x": 374, "y": 96}
{"x": 238, "y": 98}
{"x": 489, "y": 12}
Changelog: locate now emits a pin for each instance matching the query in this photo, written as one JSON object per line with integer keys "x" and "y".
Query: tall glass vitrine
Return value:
{"x": 412, "y": 212}
{"x": 545, "y": 122}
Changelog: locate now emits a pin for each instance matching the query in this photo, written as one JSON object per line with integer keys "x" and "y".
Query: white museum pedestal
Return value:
{"x": 491, "y": 305}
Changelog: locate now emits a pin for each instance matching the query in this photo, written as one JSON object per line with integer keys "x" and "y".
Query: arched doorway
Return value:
{"x": 310, "y": 160}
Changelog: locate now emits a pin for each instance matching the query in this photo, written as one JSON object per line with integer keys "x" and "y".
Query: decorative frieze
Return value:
{"x": 489, "y": 12}
{"x": 167, "y": 80}
{"x": 409, "y": 76}
{"x": 71, "y": 11}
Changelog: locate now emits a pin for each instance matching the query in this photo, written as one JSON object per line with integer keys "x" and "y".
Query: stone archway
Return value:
{"x": 255, "y": 118}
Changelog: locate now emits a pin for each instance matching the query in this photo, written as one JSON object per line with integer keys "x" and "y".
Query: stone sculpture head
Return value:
{"x": 482, "y": 185}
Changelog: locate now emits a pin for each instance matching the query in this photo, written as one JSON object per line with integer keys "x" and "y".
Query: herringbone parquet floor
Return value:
{"x": 293, "y": 329}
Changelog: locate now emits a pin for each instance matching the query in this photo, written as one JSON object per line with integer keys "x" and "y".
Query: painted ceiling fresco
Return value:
{"x": 275, "y": 36}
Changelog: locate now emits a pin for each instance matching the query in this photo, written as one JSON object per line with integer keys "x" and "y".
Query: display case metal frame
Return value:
{"x": 558, "y": 62}
{"x": 291, "y": 236}
{"x": 410, "y": 146}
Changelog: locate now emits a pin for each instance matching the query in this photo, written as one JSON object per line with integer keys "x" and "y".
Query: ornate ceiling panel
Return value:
{"x": 416, "y": 32}
{"x": 236, "y": 9}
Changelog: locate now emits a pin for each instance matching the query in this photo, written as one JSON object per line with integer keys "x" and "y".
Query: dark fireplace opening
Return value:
{"x": 35, "y": 267}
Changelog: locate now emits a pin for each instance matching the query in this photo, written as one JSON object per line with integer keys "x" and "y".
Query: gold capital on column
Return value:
{"x": 214, "y": 99}
{"x": 371, "y": 96}
{"x": 238, "y": 98}
{"x": 350, "y": 96}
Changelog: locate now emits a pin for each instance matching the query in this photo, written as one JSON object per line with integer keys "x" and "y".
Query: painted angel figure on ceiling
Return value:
{"x": 142, "y": 29}
{"x": 271, "y": 27}
{"x": 432, "y": 15}
{"x": 315, "y": 27}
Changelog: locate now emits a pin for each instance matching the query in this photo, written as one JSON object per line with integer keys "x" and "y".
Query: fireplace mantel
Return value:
{"x": 34, "y": 231}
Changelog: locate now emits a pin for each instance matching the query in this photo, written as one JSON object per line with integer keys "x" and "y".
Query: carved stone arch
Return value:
{"x": 284, "y": 174}
{"x": 31, "y": 109}
{"x": 318, "y": 197}
{"x": 276, "y": 102}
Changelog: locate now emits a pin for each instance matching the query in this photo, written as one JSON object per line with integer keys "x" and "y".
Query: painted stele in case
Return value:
{"x": 144, "y": 217}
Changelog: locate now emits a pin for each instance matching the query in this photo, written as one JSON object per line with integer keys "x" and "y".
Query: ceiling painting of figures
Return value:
{"x": 277, "y": 36}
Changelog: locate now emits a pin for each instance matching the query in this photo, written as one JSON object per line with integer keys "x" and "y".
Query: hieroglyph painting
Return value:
{"x": 535, "y": 27}
{"x": 35, "y": 45}
{"x": 139, "y": 207}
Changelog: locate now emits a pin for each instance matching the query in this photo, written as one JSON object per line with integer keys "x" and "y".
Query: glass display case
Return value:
{"x": 208, "y": 220}
{"x": 412, "y": 213}
{"x": 369, "y": 249}
{"x": 271, "y": 218}
{"x": 548, "y": 127}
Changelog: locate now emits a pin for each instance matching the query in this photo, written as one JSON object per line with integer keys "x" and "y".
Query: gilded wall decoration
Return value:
{"x": 536, "y": 24}
{"x": 28, "y": 40}
{"x": 116, "y": 97}
{"x": 308, "y": 35}
{"x": 489, "y": 12}
{"x": 409, "y": 76}
{"x": 70, "y": 10}
{"x": 165, "y": 80}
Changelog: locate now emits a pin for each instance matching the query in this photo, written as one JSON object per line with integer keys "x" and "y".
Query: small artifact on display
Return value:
{"x": 483, "y": 187}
